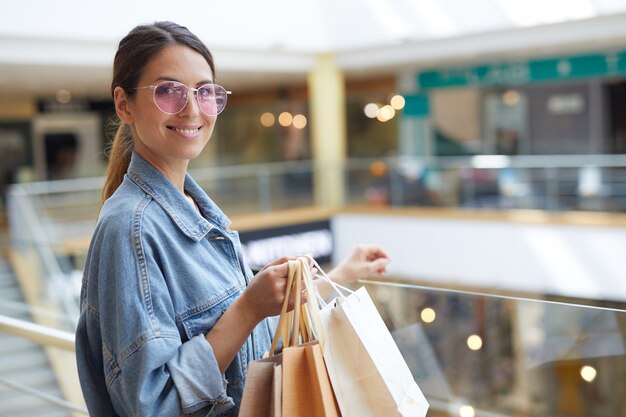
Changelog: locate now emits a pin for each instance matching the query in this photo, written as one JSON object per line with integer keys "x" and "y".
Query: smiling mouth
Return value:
{"x": 185, "y": 131}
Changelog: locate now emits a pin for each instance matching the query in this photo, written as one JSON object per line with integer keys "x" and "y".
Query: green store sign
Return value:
{"x": 526, "y": 72}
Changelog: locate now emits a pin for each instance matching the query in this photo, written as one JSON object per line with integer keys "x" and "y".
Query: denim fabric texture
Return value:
{"x": 158, "y": 275}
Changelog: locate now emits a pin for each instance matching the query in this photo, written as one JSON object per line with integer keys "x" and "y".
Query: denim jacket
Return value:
{"x": 158, "y": 275}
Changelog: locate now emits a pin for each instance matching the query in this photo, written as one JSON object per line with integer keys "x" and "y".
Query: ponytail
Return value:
{"x": 119, "y": 159}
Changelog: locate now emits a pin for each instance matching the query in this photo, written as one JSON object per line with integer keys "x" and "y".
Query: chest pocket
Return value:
{"x": 216, "y": 279}
{"x": 204, "y": 320}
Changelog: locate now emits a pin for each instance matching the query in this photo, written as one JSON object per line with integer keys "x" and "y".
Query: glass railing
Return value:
{"x": 489, "y": 355}
{"x": 40, "y": 257}
{"x": 541, "y": 182}
{"x": 486, "y": 355}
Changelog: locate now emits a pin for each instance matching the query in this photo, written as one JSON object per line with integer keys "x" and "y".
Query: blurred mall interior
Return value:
{"x": 481, "y": 143}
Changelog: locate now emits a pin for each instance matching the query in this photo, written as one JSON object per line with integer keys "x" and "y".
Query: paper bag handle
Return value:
{"x": 295, "y": 324}
{"x": 337, "y": 287}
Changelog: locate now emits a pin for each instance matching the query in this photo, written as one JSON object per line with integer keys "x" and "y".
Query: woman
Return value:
{"x": 170, "y": 314}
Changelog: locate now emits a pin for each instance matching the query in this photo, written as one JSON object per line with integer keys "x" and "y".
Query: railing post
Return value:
{"x": 265, "y": 189}
{"x": 552, "y": 189}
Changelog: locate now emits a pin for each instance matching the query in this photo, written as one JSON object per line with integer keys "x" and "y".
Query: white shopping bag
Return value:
{"x": 366, "y": 369}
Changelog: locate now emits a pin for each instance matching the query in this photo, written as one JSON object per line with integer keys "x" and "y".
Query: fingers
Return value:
{"x": 379, "y": 253}
{"x": 286, "y": 259}
{"x": 379, "y": 266}
{"x": 280, "y": 261}
{"x": 303, "y": 296}
{"x": 373, "y": 252}
{"x": 292, "y": 298}
{"x": 279, "y": 271}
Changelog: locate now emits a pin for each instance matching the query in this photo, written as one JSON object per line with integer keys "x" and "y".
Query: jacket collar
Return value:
{"x": 165, "y": 194}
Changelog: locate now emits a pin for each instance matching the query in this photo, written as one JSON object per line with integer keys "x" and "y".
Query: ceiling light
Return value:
{"x": 397, "y": 102}
{"x": 428, "y": 315}
{"x": 467, "y": 411}
{"x": 299, "y": 121}
{"x": 64, "y": 96}
{"x": 371, "y": 110}
{"x": 267, "y": 119}
{"x": 285, "y": 119}
{"x": 474, "y": 342}
{"x": 588, "y": 373}
{"x": 386, "y": 113}
{"x": 510, "y": 98}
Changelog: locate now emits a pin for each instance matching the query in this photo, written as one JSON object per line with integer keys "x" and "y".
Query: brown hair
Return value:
{"x": 133, "y": 54}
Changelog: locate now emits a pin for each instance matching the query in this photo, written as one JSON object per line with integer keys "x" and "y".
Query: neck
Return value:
{"x": 191, "y": 201}
{"x": 173, "y": 169}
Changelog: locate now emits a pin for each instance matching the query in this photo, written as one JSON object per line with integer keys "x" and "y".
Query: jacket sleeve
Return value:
{"x": 148, "y": 369}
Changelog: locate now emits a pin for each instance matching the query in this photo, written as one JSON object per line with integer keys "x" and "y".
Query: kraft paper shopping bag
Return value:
{"x": 296, "y": 382}
{"x": 257, "y": 399}
{"x": 306, "y": 388}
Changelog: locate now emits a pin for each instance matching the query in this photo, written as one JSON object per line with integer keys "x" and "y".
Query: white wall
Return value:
{"x": 570, "y": 260}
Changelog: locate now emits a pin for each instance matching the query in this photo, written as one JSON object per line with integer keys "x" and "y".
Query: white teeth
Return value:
{"x": 186, "y": 131}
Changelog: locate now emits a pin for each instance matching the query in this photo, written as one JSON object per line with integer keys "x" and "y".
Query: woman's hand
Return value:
{"x": 265, "y": 294}
{"x": 262, "y": 298}
{"x": 364, "y": 261}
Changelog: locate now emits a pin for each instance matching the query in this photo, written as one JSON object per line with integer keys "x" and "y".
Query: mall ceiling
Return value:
{"x": 69, "y": 44}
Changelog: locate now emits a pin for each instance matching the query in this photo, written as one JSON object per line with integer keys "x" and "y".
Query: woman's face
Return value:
{"x": 169, "y": 141}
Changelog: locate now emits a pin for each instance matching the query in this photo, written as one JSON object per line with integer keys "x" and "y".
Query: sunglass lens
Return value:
{"x": 211, "y": 99}
{"x": 170, "y": 97}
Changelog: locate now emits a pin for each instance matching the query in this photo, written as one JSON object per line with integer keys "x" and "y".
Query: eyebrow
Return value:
{"x": 199, "y": 83}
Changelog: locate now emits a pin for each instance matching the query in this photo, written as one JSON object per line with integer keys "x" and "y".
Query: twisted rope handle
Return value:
{"x": 295, "y": 325}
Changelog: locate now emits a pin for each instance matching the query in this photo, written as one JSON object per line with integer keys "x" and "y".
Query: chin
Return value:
{"x": 192, "y": 154}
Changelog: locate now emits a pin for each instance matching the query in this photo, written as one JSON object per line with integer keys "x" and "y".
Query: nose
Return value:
{"x": 192, "y": 108}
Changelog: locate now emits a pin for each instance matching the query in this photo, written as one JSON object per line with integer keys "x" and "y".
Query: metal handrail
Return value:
{"x": 46, "y": 397}
{"x": 37, "y": 333}
{"x": 44, "y": 336}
